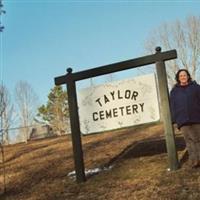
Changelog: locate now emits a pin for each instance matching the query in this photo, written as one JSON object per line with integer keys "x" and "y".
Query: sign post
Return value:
{"x": 70, "y": 79}
{"x": 166, "y": 114}
{"x": 75, "y": 127}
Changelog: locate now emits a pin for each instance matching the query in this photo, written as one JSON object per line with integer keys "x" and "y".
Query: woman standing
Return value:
{"x": 185, "y": 109}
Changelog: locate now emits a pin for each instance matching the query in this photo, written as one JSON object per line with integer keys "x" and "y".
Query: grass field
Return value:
{"x": 39, "y": 169}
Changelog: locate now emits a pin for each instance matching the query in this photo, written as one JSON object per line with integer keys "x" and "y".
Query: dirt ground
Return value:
{"x": 39, "y": 169}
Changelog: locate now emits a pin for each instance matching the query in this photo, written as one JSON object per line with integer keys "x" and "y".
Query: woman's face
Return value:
{"x": 183, "y": 78}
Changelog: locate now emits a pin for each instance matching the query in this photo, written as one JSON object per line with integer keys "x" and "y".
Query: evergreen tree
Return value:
{"x": 56, "y": 110}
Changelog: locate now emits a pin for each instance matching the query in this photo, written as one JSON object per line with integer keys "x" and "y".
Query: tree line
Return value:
{"x": 26, "y": 111}
{"x": 182, "y": 35}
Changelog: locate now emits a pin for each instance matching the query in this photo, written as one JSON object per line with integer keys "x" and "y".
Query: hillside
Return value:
{"x": 39, "y": 169}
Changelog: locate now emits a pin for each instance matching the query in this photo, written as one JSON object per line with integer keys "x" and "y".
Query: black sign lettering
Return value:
{"x": 119, "y": 97}
{"x": 112, "y": 94}
{"x": 122, "y": 110}
{"x": 101, "y": 115}
{"x": 135, "y": 108}
{"x": 98, "y": 100}
{"x": 142, "y": 107}
{"x": 134, "y": 95}
{"x": 115, "y": 112}
{"x": 106, "y": 99}
{"x": 94, "y": 116}
{"x": 108, "y": 114}
{"x": 127, "y": 94}
{"x": 118, "y": 112}
{"x": 128, "y": 110}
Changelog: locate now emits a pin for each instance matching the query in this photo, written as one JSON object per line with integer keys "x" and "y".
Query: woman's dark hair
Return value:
{"x": 182, "y": 70}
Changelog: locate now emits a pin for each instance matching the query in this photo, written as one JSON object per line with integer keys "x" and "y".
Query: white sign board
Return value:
{"x": 118, "y": 104}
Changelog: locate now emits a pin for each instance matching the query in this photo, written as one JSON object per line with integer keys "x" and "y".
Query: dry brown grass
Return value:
{"x": 39, "y": 169}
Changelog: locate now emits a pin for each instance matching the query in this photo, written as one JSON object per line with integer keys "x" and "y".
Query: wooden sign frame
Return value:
{"x": 70, "y": 79}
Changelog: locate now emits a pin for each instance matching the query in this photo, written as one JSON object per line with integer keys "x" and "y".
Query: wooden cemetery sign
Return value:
{"x": 70, "y": 79}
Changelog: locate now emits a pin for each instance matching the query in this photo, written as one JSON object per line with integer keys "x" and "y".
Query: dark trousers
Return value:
{"x": 191, "y": 134}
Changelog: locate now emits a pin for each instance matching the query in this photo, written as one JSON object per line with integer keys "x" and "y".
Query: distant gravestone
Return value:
{"x": 118, "y": 104}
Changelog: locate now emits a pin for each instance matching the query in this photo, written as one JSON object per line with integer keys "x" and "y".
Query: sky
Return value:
{"x": 42, "y": 38}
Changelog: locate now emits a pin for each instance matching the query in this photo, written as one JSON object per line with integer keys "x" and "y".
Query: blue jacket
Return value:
{"x": 185, "y": 104}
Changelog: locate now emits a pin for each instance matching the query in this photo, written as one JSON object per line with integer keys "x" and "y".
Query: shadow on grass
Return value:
{"x": 148, "y": 147}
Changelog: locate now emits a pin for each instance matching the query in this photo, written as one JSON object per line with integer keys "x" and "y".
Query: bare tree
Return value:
{"x": 27, "y": 102}
{"x": 6, "y": 113}
{"x": 185, "y": 38}
{"x": 2, "y": 102}
{"x": 2, "y": 109}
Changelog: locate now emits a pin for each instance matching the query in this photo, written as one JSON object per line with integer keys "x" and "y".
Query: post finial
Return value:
{"x": 158, "y": 49}
{"x": 69, "y": 70}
